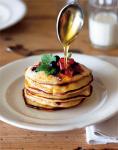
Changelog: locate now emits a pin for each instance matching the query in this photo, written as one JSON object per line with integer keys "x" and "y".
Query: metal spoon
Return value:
{"x": 69, "y": 23}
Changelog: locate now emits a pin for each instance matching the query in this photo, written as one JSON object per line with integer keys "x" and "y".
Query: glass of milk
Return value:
{"x": 103, "y": 23}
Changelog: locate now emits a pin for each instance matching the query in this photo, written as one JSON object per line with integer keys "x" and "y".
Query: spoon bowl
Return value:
{"x": 69, "y": 23}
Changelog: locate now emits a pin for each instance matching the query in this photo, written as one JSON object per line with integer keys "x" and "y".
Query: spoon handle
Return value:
{"x": 72, "y": 1}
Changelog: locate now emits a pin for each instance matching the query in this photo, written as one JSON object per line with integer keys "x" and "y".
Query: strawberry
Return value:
{"x": 71, "y": 68}
{"x": 69, "y": 72}
{"x": 61, "y": 65}
{"x": 70, "y": 61}
{"x": 62, "y": 60}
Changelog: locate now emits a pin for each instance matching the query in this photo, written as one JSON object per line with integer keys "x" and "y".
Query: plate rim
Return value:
{"x": 24, "y": 11}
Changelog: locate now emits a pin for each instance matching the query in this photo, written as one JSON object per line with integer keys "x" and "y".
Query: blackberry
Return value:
{"x": 74, "y": 64}
{"x": 53, "y": 64}
{"x": 34, "y": 68}
{"x": 57, "y": 58}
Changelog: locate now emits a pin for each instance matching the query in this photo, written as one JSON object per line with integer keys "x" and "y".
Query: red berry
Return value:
{"x": 62, "y": 60}
{"x": 61, "y": 65}
{"x": 61, "y": 75}
{"x": 71, "y": 61}
{"x": 77, "y": 69}
{"x": 69, "y": 72}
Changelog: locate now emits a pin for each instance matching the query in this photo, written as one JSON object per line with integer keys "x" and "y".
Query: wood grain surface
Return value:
{"x": 36, "y": 34}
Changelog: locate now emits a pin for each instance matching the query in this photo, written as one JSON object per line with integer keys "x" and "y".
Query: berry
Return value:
{"x": 53, "y": 64}
{"x": 76, "y": 68}
{"x": 56, "y": 71}
{"x": 69, "y": 72}
{"x": 61, "y": 76}
{"x": 61, "y": 65}
{"x": 34, "y": 68}
{"x": 62, "y": 60}
{"x": 74, "y": 64}
{"x": 71, "y": 61}
{"x": 71, "y": 68}
{"x": 62, "y": 71}
{"x": 57, "y": 58}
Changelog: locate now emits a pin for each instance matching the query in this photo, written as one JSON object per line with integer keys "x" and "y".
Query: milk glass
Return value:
{"x": 103, "y": 23}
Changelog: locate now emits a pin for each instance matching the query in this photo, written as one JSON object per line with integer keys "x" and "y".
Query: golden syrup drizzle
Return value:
{"x": 66, "y": 49}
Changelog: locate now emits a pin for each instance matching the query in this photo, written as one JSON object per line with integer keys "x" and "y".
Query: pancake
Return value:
{"x": 41, "y": 77}
{"x": 46, "y": 104}
{"x": 49, "y": 107}
{"x": 61, "y": 88}
{"x": 57, "y": 99}
{"x": 85, "y": 91}
{"x": 57, "y": 91}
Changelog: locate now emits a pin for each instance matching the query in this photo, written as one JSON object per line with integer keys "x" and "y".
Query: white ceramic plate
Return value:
{"x": 102, "y": 104}
{"x": 11, "y": 12}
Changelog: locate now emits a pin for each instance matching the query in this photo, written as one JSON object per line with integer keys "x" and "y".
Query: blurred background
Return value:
{"x": 35, "y": 29}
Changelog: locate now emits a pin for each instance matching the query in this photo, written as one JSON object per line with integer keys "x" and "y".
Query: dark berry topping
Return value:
{"x": 69, "y": 72}
{"x": 57, "y": 58}
{"x": 74, "y": 65}
{"x": 53, "y": 64}
{"x": 34, "y": 68}
{"x": 71, "y": 61}
{"x": 62, "y": 60}
{"x": 76, "y": 68}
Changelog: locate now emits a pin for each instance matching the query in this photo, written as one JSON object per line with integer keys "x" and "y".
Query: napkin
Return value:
{"x": 107, "y": 131}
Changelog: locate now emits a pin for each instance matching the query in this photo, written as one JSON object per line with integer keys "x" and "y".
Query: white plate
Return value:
{"x": 11, "y": 11}
{"x": 102, "y": 104}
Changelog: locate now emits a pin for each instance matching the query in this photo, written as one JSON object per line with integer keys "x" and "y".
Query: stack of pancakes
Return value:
{"x": 53, "y": 92}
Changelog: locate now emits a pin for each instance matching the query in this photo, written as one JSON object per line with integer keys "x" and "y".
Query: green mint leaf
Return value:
{"x": 48, "y": 58}
{"x": 52, "y": 70}
{"x": 46, "y": 69}
{"x": 42, "y": 67}
{"x": 45, "y": 64}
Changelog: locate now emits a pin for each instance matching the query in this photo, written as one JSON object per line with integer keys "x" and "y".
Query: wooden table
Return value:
{"x": 37, "y": 33}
